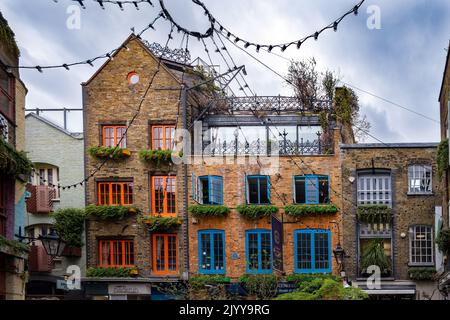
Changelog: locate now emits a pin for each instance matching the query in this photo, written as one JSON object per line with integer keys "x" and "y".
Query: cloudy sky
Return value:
{"x": 403, "y": 61}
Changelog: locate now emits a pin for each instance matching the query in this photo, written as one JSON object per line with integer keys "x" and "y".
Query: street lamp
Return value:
{"x": 52, "y": 244}
{"x": 339, "y": 254}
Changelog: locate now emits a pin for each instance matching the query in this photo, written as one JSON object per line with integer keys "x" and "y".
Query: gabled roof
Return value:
{"x": 130, "y": 38}
{"x": 445, "y": 71}
{"x": 78, "y": 136}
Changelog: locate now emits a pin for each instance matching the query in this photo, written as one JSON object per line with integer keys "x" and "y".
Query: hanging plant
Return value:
{"x": 163, "y": 224}
{"x": 374, "y": 213}
{"x": 443, "y": 240}
{"x": 204, "y": 210}
{"x": 156, "y": 157}
{"x": 442, "y": 157}
{"x": 114, "y": 153}
{"x": 421, "y": 273}
{"x": 254, "y": 212}
{"x": 69, "y": 224}
{"x": 110, "y": 212}
{"x": 298, "y": 210}
{"x": 13, "y": 162}
{"x": 111, "y": 272}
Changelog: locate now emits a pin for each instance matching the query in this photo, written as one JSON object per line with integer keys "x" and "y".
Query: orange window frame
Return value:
{"x": 168, "y": 254}
{"x": 111, "y": 136}
{"x": 122, "y": 191}
{"x": 164, "y": 137}
{"x": 124, "y": 256}
{"x": 167, "y": 208}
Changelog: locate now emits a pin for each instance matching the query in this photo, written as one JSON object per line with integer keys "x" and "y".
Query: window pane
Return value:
{"x": 304, "y": 258}
{"x": 253, "y": 190}
{"x": 321, "y": 250}
{"x": 205, "y": 259}
{"x": 172, "y": 252}
{"x": 218, "y": 251}
{"x": 253, "y": 251}
{"x": 266, "y": 251}
{"x": 312, "y": 189}
{"x": 263, "y": 186}
{"x": 324, "y": 196}
{"x": 300, "y": 194}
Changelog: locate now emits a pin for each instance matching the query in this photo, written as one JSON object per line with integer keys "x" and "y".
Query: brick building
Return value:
{"x": 110, "y": 100}
{"x": 14, "y": 167}
{"x": 392, "y": 202}
{"x": 444, "y": 105}
{"x": 57, "y": 155}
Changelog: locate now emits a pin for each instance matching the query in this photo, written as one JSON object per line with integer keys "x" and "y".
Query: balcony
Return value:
{"x": 41, "y": 199}
{"x": 375, "y": 230}
{"x": 38, "y": 260}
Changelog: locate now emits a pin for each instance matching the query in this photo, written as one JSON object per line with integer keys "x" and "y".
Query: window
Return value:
{"x": 211, "y": 251}
{"x": 4, "y": 129}
{"x": 115, "y": 193}
{"x": 421, "y": 245}
{"x": 7, "y": 94}
{"x": 163, "y": 137}
{"x": 112, "y": 135}
{"x": 116, "y": 253}
{"x": 164, "y": 195}
{"x": 419, "y": 179}
{"x": 259, "y": 251}
{"x": 311, "y": 189}
{"x": 165, "y": 253}
{"x": 312, "y": 251}
{"x": 374, "y": 188}
{"x": 207, "y": 189}
{"x": 258, "y": 189}
{"x": 47, "y": 177}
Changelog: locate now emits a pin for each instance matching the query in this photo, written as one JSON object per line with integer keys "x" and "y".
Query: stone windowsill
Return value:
{"x": 420, "y": 193}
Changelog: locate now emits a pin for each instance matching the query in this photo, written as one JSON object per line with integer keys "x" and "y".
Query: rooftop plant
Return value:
{"x": 7, "y": 36}
{"x": 442, "y": 157}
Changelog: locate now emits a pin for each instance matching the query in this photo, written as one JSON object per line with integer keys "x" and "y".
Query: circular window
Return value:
{"x": 133, "y": 78}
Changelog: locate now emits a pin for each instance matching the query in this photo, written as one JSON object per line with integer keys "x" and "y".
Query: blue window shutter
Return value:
{"x": 210, "y": 194}
{"x": 194, "y": 189}
{"x": 268, "y": 187}
{"x": 215, "y": 188}
{"x": 293, "y": 189}
{"x": 246, "y": 188}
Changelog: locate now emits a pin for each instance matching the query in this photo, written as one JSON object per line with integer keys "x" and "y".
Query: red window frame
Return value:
{"x": 164, "y": 195}
{"x": 120, "y": 253}
{"x": 115, "y": 193}
{"x": 9, "y": 93}
{"x": 111, "y": 135}
{"x": 162, "y": 137}
{"x": 165, "y": 254}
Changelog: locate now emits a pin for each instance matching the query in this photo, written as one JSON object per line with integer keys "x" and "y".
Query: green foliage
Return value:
{"x": 109, "y": 272}
{"x": 200, "y": 281}
{"x": 442, "y": 157}
{"x": 346, "y": 105}
{"x": 302, "y": 280}
{"x": 114, "y": 153}
{"x": 443, "y": 240}
{"x": 156, "y": 156}
{"x": 13, "y": 162}
{"x": 374, "y": 213}
{"x": 374, "y": 254}
{"x": 110, "y": 212}
{"x": 209, "y": 87}
{"x": 263, "y": 286}
{"x": 16, "y": 246}
{"x": 7, "y": 37}
{"x": 254, "y": 212}
{"x": 69, "y": 223}
{"x": 299, "y": 210}
{"x": 158, "y": 223}
{"x": 421, "y": 273}
{"x": 324, "y": 288}
{"x": 204, "y": 210}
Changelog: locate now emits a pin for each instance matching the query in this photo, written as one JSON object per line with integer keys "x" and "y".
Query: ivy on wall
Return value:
{"x": 442, "y": 157}
{"x": 204, "y": 210}
{"x": 254, "y": 212}
{"x": 299, "y": 210}
{"x": 13, "y": 162}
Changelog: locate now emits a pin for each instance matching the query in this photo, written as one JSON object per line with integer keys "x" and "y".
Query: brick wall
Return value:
{"x": 281, "y": 182}
{"x": 408, "y": 210}
{"x": 109, "y": 99}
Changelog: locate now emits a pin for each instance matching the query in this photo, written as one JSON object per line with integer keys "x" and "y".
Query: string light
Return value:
{"x": 120, "y": 4}
{"x": 108, "y": 55}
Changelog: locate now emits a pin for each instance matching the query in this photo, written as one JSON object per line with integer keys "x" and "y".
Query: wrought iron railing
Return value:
{"x": 176, "y": 55}
{"x": 375, "y": 230}
{"x": 261, "y": 147}
{"x": 272, "y": 104}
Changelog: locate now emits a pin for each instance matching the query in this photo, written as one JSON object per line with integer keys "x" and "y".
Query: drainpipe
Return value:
{"x": 185, "y": 227}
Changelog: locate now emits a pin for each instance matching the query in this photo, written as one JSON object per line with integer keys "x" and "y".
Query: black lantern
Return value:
{"x": 339, "y": 254}
{"x": 53, "y": 244}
